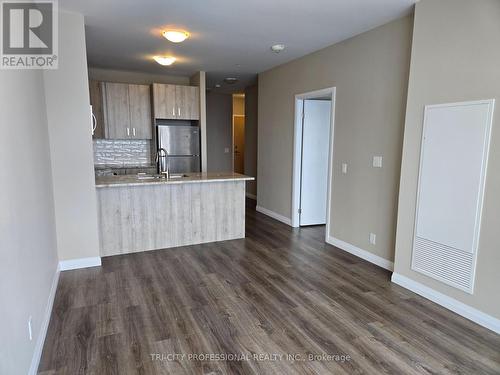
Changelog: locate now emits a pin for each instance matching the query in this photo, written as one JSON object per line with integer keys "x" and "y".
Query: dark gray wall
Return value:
{"x": 251, "y": 99}
{"x": 219, "y": 132}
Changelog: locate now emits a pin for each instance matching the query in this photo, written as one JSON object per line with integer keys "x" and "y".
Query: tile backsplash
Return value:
{"x": 122, "y": 153}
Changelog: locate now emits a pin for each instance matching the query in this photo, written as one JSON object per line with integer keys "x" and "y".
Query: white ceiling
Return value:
{"x": 228, "y": 37}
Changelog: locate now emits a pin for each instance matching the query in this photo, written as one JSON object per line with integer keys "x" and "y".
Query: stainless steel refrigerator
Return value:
{"x": 182, "y": 143}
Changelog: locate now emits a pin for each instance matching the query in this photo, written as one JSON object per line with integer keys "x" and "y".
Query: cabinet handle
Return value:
{"x": 128, "y": 132}
{"x": 133, "y": 131}
{"x": 178, "y": 111}
{"x": 173, "y": 111}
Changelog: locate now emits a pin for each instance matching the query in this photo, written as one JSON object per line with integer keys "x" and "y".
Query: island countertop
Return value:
{"x": 189, "y": 178}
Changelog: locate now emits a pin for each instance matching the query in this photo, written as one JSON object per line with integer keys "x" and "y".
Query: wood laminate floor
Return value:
{"x": 279, "y": 292}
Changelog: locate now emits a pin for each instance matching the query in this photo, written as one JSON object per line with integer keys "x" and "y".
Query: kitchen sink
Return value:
{"x": 143, "y": 176}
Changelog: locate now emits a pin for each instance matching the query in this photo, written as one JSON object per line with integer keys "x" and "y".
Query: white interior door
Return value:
{"x": 314, "y": 171}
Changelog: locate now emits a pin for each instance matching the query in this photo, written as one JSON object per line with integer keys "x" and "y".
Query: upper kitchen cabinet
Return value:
{"x": 164, "y": 105}
{"x": 140, "y": 111}
{"x": 188, "y": 102}
{"x": 96, "y": 103}
{"x": 127, "y": 111}
{"x": 174, "y": 102}
{"x": 116, "y": 110}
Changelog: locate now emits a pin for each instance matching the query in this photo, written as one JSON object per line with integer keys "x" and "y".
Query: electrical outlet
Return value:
{"x": 377, "y": 161}
{"x": 30, "y": 331}
{"x": 344, "y": 168}
{"x": 373, "y": 238}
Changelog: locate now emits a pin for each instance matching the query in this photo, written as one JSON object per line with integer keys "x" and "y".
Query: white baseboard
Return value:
{"x": 37, "y": 354}
{"x": 251, "y": 196}
{"x": 363, "y": 254}
{"x": 274, "y": 215}
{"x": 452, "y": 304}
{"x": 74, "y": 264}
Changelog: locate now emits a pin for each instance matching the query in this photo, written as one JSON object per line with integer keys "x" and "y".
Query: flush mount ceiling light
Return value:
{"x": 164, "y": 60}
{"x": 176, "y": 36}
{"x": 230, "y": 80}
{"x": 277, "y": 48}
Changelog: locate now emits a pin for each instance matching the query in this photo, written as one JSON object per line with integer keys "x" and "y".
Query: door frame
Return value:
{"x": 297, "y": 153}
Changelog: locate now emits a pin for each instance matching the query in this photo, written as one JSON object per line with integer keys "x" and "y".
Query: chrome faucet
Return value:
{"x": 162, "y": 161}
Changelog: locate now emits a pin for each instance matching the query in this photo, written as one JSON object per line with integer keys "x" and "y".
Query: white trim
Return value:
{"x": 452, "y": 304}
{"x": 297, "y": 149}
{"x": 484, "y": 163}
{"x": 274, "y": 215}
{"x": 73, "y": 264}
{"x": 37, "y": 354}
{"x": 251, "y": 196}
{"x": 360, "y": 253}
{"x": 330, "y": 165}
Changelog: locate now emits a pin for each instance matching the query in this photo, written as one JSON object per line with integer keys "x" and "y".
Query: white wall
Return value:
{"x": 67, "y": 98}
{"x": 28, "y": 254}
{"x": 48, "y": 206}
{"x": 455, "y": 57}
{"x": 370, "y": 72}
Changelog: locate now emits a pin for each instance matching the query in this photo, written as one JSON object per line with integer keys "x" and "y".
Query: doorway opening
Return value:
{"x": 312, "y": 160}
{"x": 239, "y": 133}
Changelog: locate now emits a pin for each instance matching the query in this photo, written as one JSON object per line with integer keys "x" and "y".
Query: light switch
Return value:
{"x": 226, "y": 150}
{"x": 373, "y": 238}
{"x": 377, "y": 161}
{"x": 344, "y": 168}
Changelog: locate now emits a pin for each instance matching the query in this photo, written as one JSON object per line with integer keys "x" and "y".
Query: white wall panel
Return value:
{"x": 453, "y": 162}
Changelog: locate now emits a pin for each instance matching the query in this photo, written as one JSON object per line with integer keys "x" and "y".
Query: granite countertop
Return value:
{"x": 121, "y": 166}
{"x": 134, "y": 180}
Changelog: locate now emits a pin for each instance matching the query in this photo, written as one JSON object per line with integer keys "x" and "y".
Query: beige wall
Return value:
{"x": 251, "y": 111}
{"x": 370, "y": 72}
{"x": 67, "y": 99}
{"x": 126, "y": 76}
{"x": 455, "y": 57}
{"x": 28, "y": 254}
{"x": 238, "y": 105}
{"x": 219, "y": 132}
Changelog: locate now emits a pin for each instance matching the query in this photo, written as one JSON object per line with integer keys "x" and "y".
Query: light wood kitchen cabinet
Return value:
{"x": 164, "y": 104}
{"x": 127, "y": 111}
{"x": 188, "y": 102}
{"x": 140, "y": 111}
{"x": 116, "y": 110}
{"x": 175, "y": 102}
{"x": 96, "y": 103}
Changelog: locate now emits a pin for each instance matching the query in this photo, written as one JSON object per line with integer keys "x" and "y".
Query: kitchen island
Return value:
{"x": 139, "y": 213}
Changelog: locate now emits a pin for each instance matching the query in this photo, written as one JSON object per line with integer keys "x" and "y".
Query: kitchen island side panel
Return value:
{"x": 151, "y": 217}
